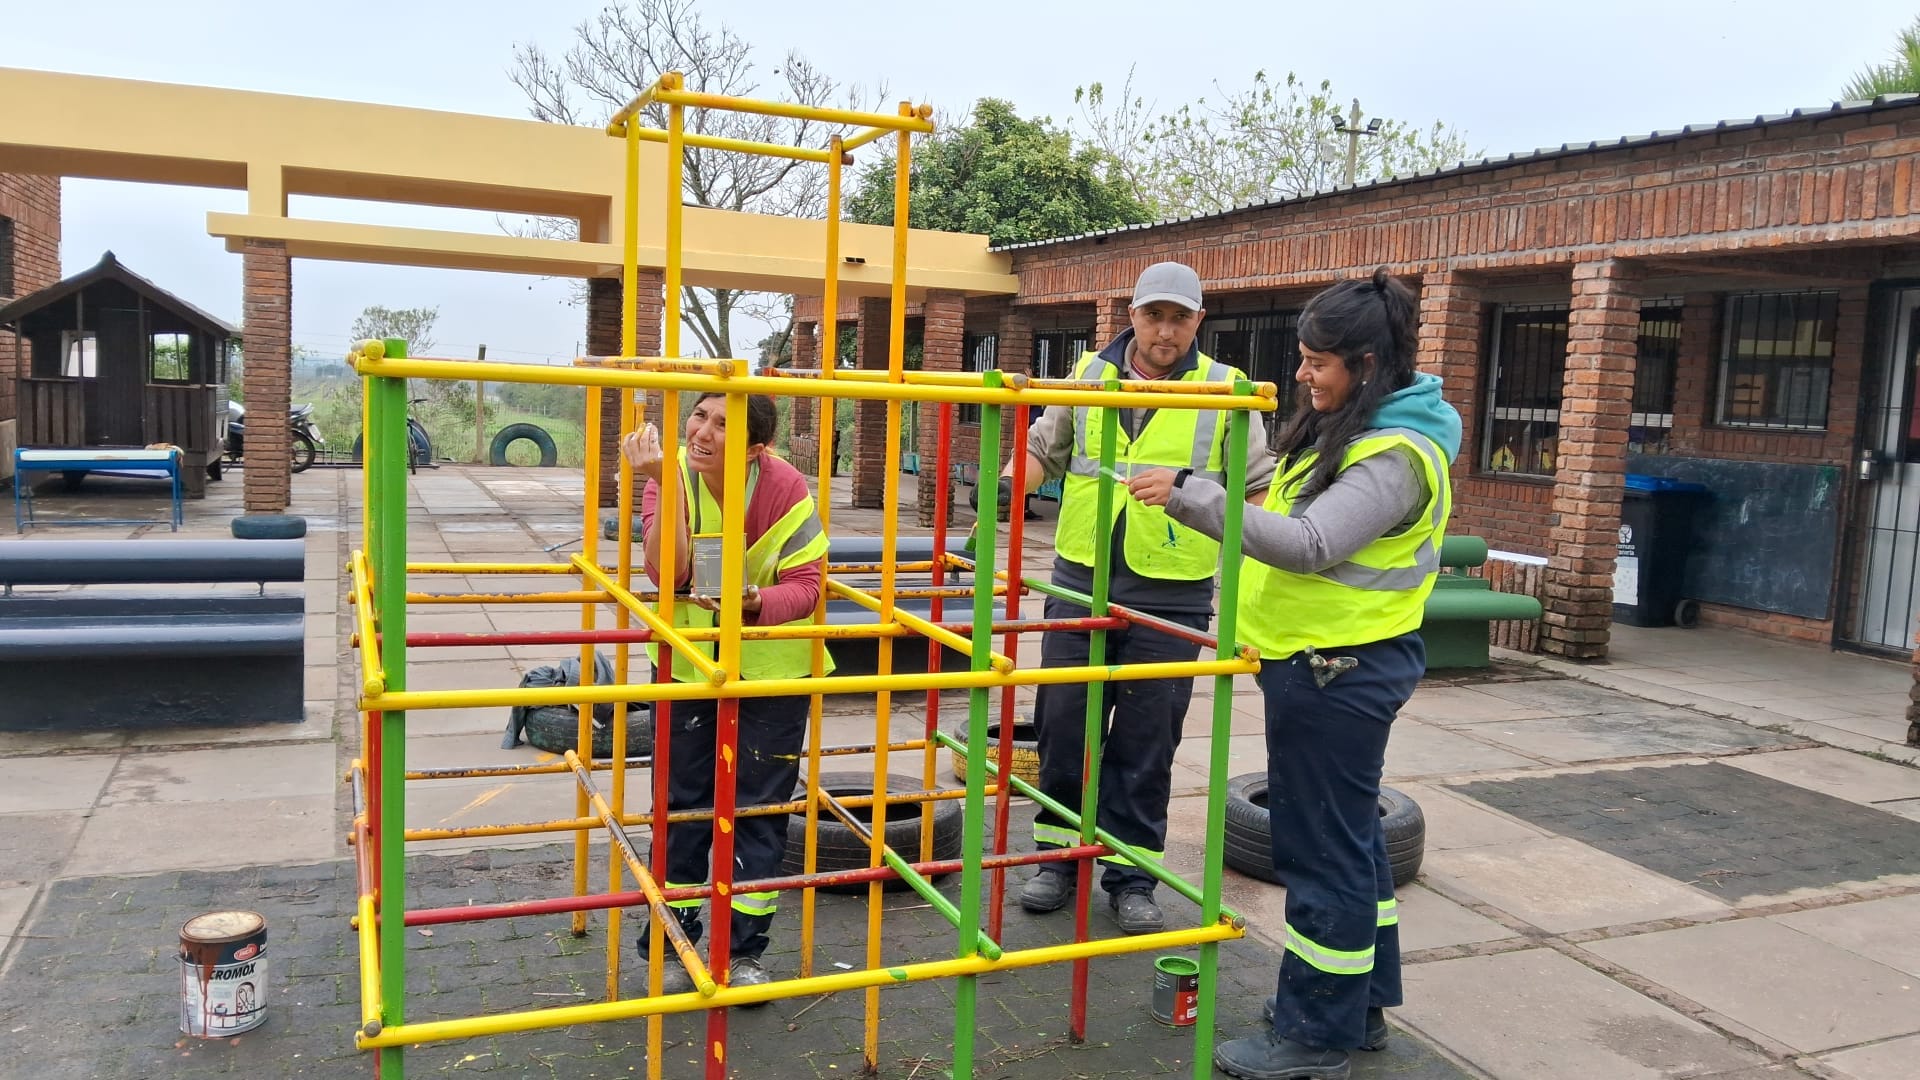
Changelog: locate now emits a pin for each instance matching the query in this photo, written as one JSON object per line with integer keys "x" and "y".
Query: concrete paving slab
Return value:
{"x": 1465, "y": 705}
{"x": 316, "y": 723}
{"x": 33, "y": 847}
{"x": 1787, "y": 985}
{"x": 41, "y": 743}
{"x": 40, "y": 784}
{"x": 224, "y": 775}
{"x": 1456, "y": 822}
{"x": 1890, "y": 1060}
{"x": 1838, "y": 773}
{"x": 1431, "y": 921}
{"x": 14, "y": 902}
{"x": 1417, "y": 749}
{"x": 453, "y": 804}
{"x": 1561, "y": 886}
{"x": 1624, "y": 733}
{"x": 1880, "y": 930}
{"x": 1906, "y": 808}
{"x": 464, "y": 675}
{"x": 142, "y": 837}
{"x": 429, "y": 722}
{"x": 1245, "y": 754}
{"x": 1537, "y": 1015}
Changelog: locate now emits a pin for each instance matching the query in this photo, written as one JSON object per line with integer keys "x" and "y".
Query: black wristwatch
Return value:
{"x": 1180, "y": 478}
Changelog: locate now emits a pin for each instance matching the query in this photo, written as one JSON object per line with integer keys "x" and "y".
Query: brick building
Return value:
{"x": 29, "y": 262}
{"x": 1731, "y": 303}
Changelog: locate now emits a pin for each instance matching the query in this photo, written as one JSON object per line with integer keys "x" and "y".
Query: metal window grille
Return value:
{"x": 1776, "y": 360}
{"x": 1056, "y": 352}
{"x": 980, "y": 353}
{"x": 1653, "y": 376}
{"x": 1527, "y": 361}
{"x": 1266, "y": 347}
{"x": 6, "y": 256}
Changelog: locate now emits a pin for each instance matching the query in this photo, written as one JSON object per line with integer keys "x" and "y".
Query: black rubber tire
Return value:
{"x": 1026, "y": 749}
{"x": 840, "y": 849}
{"x": 1686, "y": 614}
{"x": 1249, "y": 839}
{"x": 556, "y": 729}
{"x": 304, "y": 451}
{"x": 418, "y": 453}
{"x": 269, "y": 527}
{"x": 216, "y": 468}
{"x": 513, "y": 433}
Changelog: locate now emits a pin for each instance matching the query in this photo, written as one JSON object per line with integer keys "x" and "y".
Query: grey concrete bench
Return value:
{"x": 104, "y": 659}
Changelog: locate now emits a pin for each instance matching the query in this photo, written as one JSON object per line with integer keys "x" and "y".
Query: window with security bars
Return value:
{"x": 1527, "y": 363}
{"x": 1776, "y": 360}
{"x": 1653, "y": 377}
{"x": 6, "y": 256}
{"x": 979, "y": 352}
{"x": 1266, "y": 347}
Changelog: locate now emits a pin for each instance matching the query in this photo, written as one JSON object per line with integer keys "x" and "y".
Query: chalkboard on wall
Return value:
{"x": 1768, "y": 539}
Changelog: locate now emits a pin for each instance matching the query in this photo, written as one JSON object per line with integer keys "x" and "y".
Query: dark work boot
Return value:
{"x": 1136, "y": 913}
{"x": 1377, "y": 1030}
{"x": 1267, "y": 1056}
{"x": 1047, "y": 890}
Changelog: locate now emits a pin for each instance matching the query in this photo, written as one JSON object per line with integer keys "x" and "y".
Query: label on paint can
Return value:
{"x": 1176, "y": 991}
{"x": 223, "y": 973}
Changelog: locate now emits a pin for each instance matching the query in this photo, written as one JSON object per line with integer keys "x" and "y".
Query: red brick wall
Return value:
{"x": 267, "y": 356}
{"x": 943, "y": 334}
{"x": 603, "y": 339}
{"x": 32, "y": 203}
{"x": 870, "y": 417}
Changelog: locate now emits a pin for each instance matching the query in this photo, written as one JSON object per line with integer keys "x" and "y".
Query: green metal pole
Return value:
{"x": 973, "y": 844}
{"x": 1239, "y": 423}
{"x": 385, "y": 459}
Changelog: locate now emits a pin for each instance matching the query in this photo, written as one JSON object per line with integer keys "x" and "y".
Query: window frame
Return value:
{"x": 972, "y": 346}
{"x": 1497, "y": 346}
{"x": 1731, "y": 329}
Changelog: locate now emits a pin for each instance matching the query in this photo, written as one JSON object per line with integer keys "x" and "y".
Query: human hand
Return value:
{"x": 1153, "y": 487}
{"x": 749, "y": 601}
{"x": 642, "y": 450}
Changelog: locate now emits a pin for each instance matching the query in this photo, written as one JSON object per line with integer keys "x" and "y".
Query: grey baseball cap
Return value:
{"x": 1173, "y": 282}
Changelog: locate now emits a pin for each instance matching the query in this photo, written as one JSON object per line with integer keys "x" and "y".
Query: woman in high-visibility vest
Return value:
{"x": 786, "y": 563}
{"x": 1339, "y": 561}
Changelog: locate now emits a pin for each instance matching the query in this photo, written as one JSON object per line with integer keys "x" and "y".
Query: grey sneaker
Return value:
{"x": 1136, "y": 913}
{"x": 1377, "y": 1030}
{"x": 1047, "y": 890}
{"x": 748, "y": 971}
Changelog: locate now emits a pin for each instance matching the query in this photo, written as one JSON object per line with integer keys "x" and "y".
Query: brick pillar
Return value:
{"x": 870, "y": 417}
{"x": 1452, "y": 315}
{"x": 1603, "y": 337}
{"x": 266, "y": 304}
{"x": 943, "y": 341}
{"x": 1913, "y": 703}
{"x": 603, "y": 339}
{"x": 1693, "y": 377}
{"x": 803, "y": 430}
{"x": 1110, "y": 318}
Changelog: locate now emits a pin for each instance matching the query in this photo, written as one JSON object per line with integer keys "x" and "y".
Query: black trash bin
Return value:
{"x": 1656, "y": 530}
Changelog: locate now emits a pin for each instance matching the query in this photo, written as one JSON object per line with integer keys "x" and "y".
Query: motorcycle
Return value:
{"x": 305, "y": 436}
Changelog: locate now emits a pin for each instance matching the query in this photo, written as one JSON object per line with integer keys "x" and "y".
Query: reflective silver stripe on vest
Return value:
{"x": 1208, "y": 427}
{"x": 1427, "y": 558}
{"x": 802, "y": 536}
{"x": 1080, "y": 464}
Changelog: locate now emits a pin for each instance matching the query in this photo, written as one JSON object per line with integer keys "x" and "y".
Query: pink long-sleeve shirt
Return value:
{"x": 779, "y": 490}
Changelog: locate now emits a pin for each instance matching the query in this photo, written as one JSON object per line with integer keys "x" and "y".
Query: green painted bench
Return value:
{"x": 1461, "y": 606}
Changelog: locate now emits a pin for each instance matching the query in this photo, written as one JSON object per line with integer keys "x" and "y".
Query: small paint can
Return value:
{"x": 1176, "y": 990}
{"x": 223, "y": 973}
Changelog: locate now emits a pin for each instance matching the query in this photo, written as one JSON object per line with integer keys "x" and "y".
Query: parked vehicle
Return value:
{"x": 305, "y": 436}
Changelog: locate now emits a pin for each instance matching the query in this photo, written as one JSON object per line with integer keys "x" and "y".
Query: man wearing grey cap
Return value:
{"x": 1158, "y": 566}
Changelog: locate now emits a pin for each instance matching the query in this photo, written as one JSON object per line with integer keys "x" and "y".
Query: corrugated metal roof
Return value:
{"x": 1547, "y": 153}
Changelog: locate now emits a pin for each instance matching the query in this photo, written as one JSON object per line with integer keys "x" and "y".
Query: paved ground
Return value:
{"x": 1542, "y": 943}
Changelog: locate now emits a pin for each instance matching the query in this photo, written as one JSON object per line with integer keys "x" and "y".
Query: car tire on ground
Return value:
{"x": 513, "y": 433}
{"x": 556, "y": 729}
{"x": 840, "y": 849}
{"x": 1026, "y": 750}
{"x": 269, "y": 527}
{"x": 1249, "y": 839}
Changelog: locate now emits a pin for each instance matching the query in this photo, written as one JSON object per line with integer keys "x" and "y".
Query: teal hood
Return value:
{"x": 1421, "y": 408}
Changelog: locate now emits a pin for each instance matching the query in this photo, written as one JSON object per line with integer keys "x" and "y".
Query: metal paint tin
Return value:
{"x": 1176, "y": 990}
{"x": 223, "y": 973}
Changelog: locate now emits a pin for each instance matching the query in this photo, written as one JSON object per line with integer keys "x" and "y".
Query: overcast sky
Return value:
{"x": 1513, "y": 75}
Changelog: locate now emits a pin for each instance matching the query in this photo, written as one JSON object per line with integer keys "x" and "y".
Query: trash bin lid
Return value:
{"x": 1642, "y": 482}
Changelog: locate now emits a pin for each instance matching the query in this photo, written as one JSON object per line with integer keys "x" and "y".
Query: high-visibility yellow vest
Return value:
{"x": 1377, "y": 594}
{"x": 794, "y": 540}
{"x": 1156, "y": 546}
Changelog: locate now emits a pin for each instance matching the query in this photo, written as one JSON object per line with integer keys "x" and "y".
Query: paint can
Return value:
{"x": 223, "y": 973}
{"x": 1176, "y": 990}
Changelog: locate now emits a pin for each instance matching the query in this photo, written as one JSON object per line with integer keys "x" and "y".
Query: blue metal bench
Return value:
{"x": 93, "y": 659}
{"x": 76, "y": 464}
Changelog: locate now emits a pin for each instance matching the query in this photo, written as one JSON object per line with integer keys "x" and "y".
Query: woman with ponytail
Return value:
{"x": 1339, "y": 560}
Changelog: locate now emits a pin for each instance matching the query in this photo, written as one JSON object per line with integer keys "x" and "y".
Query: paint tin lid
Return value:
{"x": 223, "y": 926}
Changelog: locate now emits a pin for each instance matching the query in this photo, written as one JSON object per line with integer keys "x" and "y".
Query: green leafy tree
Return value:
{"x": 413, "y": 324}
{"x": 1899, "y": 75}
{"x": 1010, "y": 178}
{"x": 1272, "y": 140}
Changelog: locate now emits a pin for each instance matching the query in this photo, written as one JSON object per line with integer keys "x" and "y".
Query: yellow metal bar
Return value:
{"x": 1019, "y": 382}
{"x": 743, "y": 146}
{"x": 373, "y": 674}
{"x": 577, "y": 596}
{"x": 951, "y": 640}
{"x": 367, "y": 933}
{"x": 583, "y": 718}
{"x": 669, "y": 80}
{"x": 832, "y": 684}
{"x": 663, "y": 634}
{"x": 1262, "y": 400}
{"x": 698, "y": 365}
{"x": 861, "y": 138}
{"x": 568, "y": 1015}
{"x": 907, "y": 121}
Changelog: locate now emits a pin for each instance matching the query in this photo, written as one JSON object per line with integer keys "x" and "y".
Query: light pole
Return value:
{"x": 1349, "y": 126}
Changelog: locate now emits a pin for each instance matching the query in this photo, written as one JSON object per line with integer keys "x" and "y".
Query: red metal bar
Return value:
{"x": 561, "y": 905}
{"x": 1077, "y": 1000}
{"x": 1165, "y": 626}
{"x": 1016, "y": 534}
